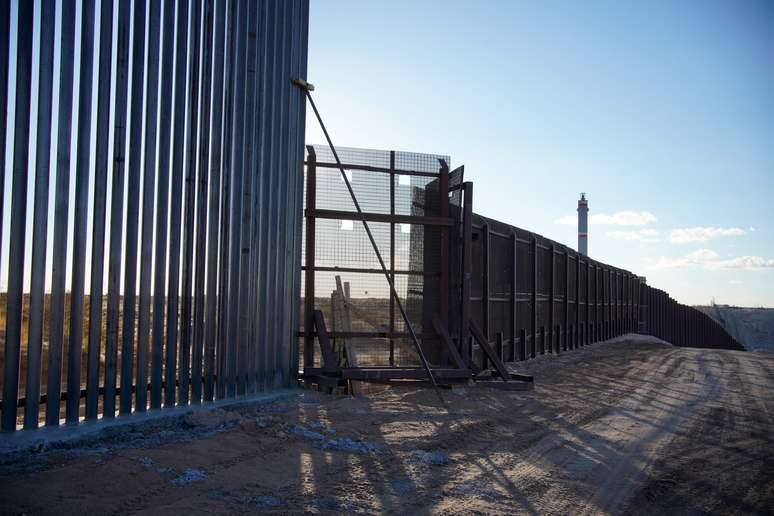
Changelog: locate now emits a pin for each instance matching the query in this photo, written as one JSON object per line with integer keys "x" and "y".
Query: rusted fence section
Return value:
{"x": 405, "y": 199}
{"x": 170, "y": 275}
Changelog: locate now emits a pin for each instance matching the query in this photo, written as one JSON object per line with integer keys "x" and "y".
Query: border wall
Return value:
{"x": 531, "y": 295}
{"x": 153, "y": 261}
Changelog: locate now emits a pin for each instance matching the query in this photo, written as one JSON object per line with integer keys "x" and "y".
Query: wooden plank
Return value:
{"x": 98, "y": 210}
{"x": 189, "y": 223}
{"x": 40, "y": 214}
{"x": 455, "y": 354}
{"x": 162, "y": 204}
{"x": 330, "y": 360}
{"x": 211, "y": 342}
{"x": 491, "y": 355}
{"x": 117, "y": 211}
{"x": 200, "y": 356}
{"x": 380, "y": 217}
{"x": 82, "y": 172}
{"x": 346, "y": 321}
{"x": 148, "y": 200}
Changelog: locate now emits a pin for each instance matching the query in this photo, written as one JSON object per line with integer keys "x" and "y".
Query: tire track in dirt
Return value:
{"x": 629, "y": 469}
{"x": 722, "y": 462}
{"x": 614, "y": 451}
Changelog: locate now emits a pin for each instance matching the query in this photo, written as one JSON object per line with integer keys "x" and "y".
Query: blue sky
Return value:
{"x": 663, "y": 109}
{"x": 662, "y": 112}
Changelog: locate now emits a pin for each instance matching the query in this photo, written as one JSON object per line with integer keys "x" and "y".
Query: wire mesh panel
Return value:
{"x": 400, "y": 196}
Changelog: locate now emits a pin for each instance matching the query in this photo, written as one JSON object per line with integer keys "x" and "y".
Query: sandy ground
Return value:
{"x": 627, "y": 426}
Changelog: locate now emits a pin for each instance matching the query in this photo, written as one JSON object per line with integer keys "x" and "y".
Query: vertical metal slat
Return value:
{"x": 162, "y": 204}
{"x": 176, "y": 193}
{"x": 132, "y": 212}
{"x": 18, "y": 216}
{"x": 148, "y": 201}
{"x": 82, "y": 171}
{"x": 211, "y": 317}
{"x": 190, "y": 190}
{"x": 40, "y": 215}
{"x": 117, "y": 211}
{"x": 61, "y": 219}
{"x": 98, "y": 210}
{"x": 201, "y": 208}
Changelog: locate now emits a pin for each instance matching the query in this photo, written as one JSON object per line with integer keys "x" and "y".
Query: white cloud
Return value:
{"x": 741, "y": 262}
{"x": 710, "y": 260}
{"x": 621, "y": 218}
{"x": 641, "y": 235}
{"x": 568, "y": 220}
{"x": 697, "y": 257}
{"x": 624, "y": 218}
{"x": 702, "y": 234}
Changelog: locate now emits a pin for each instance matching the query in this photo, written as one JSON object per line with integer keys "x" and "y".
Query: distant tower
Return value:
{"x": 583, "y": 225}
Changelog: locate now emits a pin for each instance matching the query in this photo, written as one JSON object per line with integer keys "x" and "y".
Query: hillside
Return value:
{"x": 753, "y": 327}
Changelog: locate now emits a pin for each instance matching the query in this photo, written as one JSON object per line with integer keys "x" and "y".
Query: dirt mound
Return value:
{"x": 752, "y": 327}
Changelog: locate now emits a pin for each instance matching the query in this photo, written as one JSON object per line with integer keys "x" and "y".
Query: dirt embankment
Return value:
{"x": 752, "y": 327}
{"x": 628, "y": 426}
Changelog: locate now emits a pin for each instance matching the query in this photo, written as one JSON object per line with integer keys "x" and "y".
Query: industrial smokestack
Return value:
{"x": 583, "y": 225}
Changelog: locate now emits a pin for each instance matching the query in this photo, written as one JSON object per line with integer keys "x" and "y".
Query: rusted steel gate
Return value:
{"x": 412, "y": 204}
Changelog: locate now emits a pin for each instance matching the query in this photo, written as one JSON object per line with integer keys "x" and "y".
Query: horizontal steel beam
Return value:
{"x": 380, "y": 217}
{"x": 390, "y": 373}
{"x": 370, "y": 168}
{"x": 370, "y": 271}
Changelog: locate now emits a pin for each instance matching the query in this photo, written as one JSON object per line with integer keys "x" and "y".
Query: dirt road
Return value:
{"x": 627, "y": 426}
